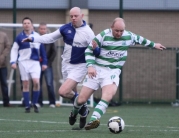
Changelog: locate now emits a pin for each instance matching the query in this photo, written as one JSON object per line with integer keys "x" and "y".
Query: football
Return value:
{"x": 116, "y": 124}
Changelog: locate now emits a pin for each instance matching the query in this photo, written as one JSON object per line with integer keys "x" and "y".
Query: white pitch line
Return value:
{"x": 38, "y": 131}
{"x": 51, "y": 122}
{"x": 34, "y": 121}
{"x": 52, "y": 131}
{"x": 161, "y": 130}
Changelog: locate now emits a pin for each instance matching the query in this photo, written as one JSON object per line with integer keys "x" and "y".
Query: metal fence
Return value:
{"x": 149, "y": 76}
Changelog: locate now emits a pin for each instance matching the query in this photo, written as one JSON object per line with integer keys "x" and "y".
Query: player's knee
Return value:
{"x": 25, "y": 87}
{"x": 36, "y": 86}
{"x": 107, "y": 98}
{"x": 62, "y": 92}
{"x": 82, "y": 100}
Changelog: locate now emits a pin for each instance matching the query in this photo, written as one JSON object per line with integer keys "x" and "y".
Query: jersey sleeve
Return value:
{"x": 14, "y": 53}
{"x": 47, "y": 38}
{"x": 141, "y": 40}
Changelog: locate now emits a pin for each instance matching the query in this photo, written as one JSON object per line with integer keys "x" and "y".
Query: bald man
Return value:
{"x": 77, "y": 35}
{"x": 111, "y": 46}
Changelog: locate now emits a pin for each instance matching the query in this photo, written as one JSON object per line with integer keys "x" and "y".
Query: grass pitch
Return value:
{"x": 149, "y": 121}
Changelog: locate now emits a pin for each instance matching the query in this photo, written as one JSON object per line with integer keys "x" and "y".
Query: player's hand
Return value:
{"x": 44, "y": 67}
{"x": 91, "y": 72}
{"x": 159, "y": 46}
{"x": 96, "y": 48}
{"x": 29, "y": 39}
{"x": 94, "y": 44}
{"x": 14, "y": 66}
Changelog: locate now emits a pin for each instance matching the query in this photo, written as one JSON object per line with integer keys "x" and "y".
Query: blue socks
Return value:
{"x": 26, "y": 99}
{"x": 35, "y": 97}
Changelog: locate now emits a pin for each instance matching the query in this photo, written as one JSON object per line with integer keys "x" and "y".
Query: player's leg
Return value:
{"x": 25, "y": 85}
{"x": 36, "y": 90}
{"x": 35, "y": 72}
{"x": 78, "y": 73}
{"x": 89, "y": 86}
{"x": 108, "y": 92}
{"x": 25, "y": 90}
{"x": 70, "y": 82}
{"x": 79, "y": 102}
{"x": 66, "y": 89}
{"x": 72, "y": 75}
{"x": 109, "y": 82}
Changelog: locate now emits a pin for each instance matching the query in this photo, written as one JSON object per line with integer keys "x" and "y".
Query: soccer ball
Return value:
{"x": 116, "y": 124}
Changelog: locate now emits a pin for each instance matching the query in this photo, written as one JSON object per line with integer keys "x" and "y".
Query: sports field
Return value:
{"x": 159, "y": 121}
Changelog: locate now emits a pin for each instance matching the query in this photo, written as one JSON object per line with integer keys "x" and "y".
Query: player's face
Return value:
{"x": 76, "y": 18}
{"x": 118, "y": 29}
{"x": 42, "y": 29}
{"x": 27, "y": 25}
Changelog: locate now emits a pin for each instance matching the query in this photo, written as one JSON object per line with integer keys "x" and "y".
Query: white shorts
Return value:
{"x": 75, "y": 72}
{"x": 105, "y": 76}
{"x": 29, "y": 69}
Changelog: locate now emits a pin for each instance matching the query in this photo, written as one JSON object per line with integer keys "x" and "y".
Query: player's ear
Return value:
{"x": 82, "y": 15}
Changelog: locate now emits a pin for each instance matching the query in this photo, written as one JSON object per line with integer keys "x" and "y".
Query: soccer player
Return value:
{"x": 111, "y": 46}
{"x": 27, "y": 56}
{"x": 77, "y": 35}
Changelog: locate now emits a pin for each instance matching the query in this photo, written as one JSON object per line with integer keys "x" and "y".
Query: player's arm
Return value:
{"x": 93, "y": 50}
{"x": 14, "y": 55}
{"x": 96, "y": 44}
{"x": 145, "y": 42}
{"x": 46, "y": 39}
{"x": 90, "y": 61}
{"x": 96, "y": 48}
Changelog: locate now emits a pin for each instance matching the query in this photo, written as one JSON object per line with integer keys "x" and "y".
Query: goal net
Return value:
{"x": 13, "y": 80}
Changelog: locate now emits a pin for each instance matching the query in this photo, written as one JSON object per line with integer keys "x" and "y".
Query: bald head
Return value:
{"x": 118, "y": 21}
{"x": 76, "y": 10}
{"x": 76, "y": 17}
{"x": 118, "y": 27}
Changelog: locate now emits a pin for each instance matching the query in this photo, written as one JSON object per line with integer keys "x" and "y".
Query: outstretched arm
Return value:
{"x": 143, "y": 41}
{"x": 45, "y": 39}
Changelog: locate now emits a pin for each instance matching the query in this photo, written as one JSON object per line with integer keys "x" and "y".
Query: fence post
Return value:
{"x": 177, "y": 74}
{"x": 121, "y": 8}
{"x": 14, "y": 36}
{"x": 120, "y": 82}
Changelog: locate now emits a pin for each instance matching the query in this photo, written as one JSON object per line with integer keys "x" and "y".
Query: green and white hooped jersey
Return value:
{"x": 113, "y": 51}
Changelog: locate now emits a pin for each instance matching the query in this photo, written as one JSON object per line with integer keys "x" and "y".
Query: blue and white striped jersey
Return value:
{"x": 76, "y": 41}
{"x": 26, "y": 50}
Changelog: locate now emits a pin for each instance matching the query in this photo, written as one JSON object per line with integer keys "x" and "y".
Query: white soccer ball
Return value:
{"x": 116, "y": 124}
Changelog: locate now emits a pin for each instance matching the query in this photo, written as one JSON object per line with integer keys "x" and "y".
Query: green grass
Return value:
{"x": 141, "y": 122}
